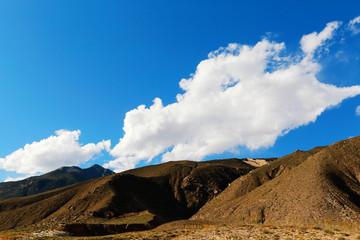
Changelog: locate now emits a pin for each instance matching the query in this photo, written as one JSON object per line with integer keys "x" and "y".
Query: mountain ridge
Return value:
{"x": 57, "y": 178}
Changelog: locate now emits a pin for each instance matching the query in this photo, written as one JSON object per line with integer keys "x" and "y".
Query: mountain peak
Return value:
{"x": 60, "y": 177}
{"x": 68, "y": 169}
{"x": 96, "y": 166}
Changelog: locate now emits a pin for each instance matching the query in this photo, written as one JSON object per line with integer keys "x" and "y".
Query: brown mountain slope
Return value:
{"x": 56, "y": 205}
{"x": 261, "y": 175}
{"x": 173, "y": 190}
{"x": 322, "y": 184}
{"x": 194, "y": 183}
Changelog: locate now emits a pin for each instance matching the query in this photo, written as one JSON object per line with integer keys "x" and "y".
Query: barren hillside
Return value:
{"x": 170, "y": 191}
{"x": 301, "y": 188}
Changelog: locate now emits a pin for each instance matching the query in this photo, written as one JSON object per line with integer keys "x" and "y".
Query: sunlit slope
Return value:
{"x": 174, "y": 190}
{"x": 318, "y": 185}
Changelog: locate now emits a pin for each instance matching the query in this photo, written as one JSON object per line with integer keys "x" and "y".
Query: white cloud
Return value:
{"x": 241, "y": 95}
{"x": 354, "y": 25}
{"x": 56, "y": 151}
{"x": 357, "y": 111}
{"x": 311, "y": 42}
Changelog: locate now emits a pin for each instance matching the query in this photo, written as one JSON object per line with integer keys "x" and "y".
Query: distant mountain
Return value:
{"x": 58, "y": 178}
{"x": 303, "y": 188}
{"x": 170, "y": 191}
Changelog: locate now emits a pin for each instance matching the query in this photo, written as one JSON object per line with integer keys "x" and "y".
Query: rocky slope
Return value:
{"x": 322, "y": 184}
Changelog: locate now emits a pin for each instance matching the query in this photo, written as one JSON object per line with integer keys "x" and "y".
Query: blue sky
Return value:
{"x": 82, "y": 65}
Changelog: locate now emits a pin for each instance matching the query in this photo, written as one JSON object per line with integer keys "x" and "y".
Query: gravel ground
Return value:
{"x": 206, "y": 232}
{"x": 216, "y": 232}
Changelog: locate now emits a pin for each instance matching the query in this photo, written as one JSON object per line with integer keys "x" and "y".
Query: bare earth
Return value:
{"x": 256, "y": 162}
{"x": 186, "y": 231}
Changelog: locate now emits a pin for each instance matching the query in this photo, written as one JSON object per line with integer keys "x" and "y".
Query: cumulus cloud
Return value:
{"x": 55, "y": 151}
{"x": 354, "y": 25}
{"x": 240, "y": 96}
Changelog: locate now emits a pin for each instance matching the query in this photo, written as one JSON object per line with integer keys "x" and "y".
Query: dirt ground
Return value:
{"x": 212, "y": 232}
{"x": 203, "y": 232}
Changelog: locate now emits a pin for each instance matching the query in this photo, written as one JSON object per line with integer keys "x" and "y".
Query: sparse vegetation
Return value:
{"x": 329, "y": 232}
{"x": 143, "y": 217}
{"x": 187, "y": 230}
{"x": 267, "y": 231}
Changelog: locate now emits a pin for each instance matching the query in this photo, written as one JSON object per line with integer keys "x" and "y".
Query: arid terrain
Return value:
{"x": 170, "y": 191}
{"x": 302, "y": 188}
{"x": 193, "y": 230}
{"x": 311, "y": 194}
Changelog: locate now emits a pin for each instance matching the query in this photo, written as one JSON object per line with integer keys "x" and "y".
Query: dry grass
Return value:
{"x": 190, "y": 230}
{"x": 143, "y": 217}
{"x": 256, "y": 232}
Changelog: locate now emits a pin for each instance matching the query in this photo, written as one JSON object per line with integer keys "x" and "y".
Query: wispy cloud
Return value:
{"x": 354, "y": 25}
{"x": 241, "y": 95}
{"x": 357, "y": 111}
{"x": 53, "y": 152}
{"x": 311, "y": 42}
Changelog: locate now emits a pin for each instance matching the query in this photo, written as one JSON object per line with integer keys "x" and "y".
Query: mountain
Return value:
{"x": 169, "y": 191}
{"x": 58, "y": 178}
{"x": 302, "y": 188}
